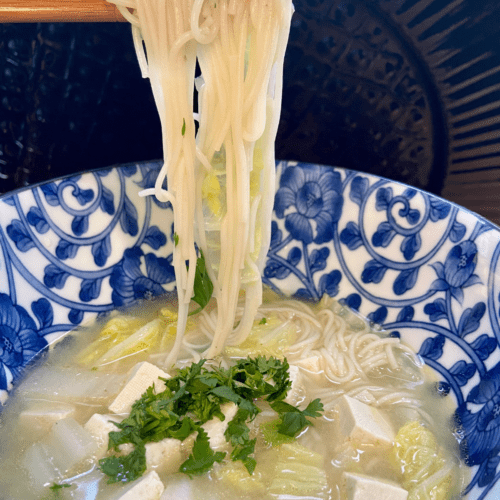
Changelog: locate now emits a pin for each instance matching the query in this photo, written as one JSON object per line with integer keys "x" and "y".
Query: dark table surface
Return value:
{"x": 406, "y": 89}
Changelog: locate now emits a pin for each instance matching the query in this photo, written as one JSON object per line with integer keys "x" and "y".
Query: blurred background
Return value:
{"x": 405, "y": 89}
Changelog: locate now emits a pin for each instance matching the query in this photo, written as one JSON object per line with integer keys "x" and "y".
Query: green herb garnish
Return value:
{"x": 293, "y": 420}
{"x": 194, "y": 396}
{"x": 183, "y": 126}
{"x": 56, "y": 487}
{"x": 176, "y": 239}
{"x": 263, "y": 321}
{"x": 203, "y": 286}
{"x": 203, "y": 457}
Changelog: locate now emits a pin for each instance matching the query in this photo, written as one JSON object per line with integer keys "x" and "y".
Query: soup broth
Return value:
{"x": 406, "y": 442}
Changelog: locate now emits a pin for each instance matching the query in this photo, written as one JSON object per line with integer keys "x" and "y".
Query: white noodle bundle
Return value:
{"x": 221, "y": 183}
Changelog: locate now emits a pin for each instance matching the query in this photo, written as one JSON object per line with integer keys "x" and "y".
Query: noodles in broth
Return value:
{"x": 221, "y": 181}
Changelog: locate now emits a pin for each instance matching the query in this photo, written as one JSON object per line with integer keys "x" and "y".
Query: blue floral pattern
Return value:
{"x": 418, "y": 265}
{"x": 130, "y": 284}
{"x": 20, "y": 340}
{"x": 309, "y": 194}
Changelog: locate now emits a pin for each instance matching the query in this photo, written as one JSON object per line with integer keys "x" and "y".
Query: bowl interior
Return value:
{"x": 83, "y": 245}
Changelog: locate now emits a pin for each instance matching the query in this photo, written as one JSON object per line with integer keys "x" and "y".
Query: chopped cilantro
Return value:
{"x": 183, "y": 131}
{"x": 263, "y": 321}
{"x": 293, "y": 420}
{"x": 203, "y": 286}
{"x": 176, "y": 239}
{"x": 203, "y": 457}
{"x": 56, "y": 486}
{"x": 194, "y": 396}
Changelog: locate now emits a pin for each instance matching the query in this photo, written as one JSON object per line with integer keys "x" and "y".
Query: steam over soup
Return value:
{"x": 314, "y": 404}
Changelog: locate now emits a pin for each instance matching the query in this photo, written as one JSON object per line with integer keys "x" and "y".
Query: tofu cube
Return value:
{"x": 296, "y": 393}
{"x": 366, "y": 397}
{"x": 99, "y": 426}
{"x": 363, "y": 424}
{"x": 142, "y": 376}
{"x": 41, "y": 415}
{"x": 312, "y": 367}
{"x": 216, "y": 428}
{"x": 164, "y": 456}
{"x": 148, "y": 487}
{"x": 71, "y": 443}
{"x": 362, "y": 487}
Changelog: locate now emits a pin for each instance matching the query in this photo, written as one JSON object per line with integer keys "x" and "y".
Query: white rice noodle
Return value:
{"x": 240, "y": 47}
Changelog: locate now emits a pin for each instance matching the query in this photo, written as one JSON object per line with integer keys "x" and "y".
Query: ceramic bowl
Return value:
{"x": 80, "y": 246}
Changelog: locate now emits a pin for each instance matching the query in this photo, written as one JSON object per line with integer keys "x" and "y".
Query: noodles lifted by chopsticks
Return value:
{"x": 221, "y": 181}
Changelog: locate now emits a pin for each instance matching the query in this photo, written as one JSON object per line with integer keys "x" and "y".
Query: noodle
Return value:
{"x": 240, "y": 48}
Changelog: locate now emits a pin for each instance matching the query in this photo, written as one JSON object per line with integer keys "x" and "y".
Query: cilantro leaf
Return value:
{"x": 263, "y": 321}
{"x": 56, "y": 486}
{"x": 183, "y": 131}
{"x": 228, "y": 393}
{"x": 176, "y": 239}
{"x": 243, "y": 452}
{"x": 293, "y": 420}
{"x": 238, "y": 432}
{"x": 125, "y": 468}
{"x": 292, "y": 423}
{"x": 203, "y": 457}
{"x": 203, "y": 286}
{"x": 314, "y": 409}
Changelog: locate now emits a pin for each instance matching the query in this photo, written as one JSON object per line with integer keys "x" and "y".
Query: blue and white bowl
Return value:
{"x": 80, "y": 246}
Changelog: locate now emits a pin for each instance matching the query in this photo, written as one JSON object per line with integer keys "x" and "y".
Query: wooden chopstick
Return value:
{"x": 34, "y": 11}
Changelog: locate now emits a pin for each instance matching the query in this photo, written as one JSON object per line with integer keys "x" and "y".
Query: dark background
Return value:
{"x": 377, "y": 86}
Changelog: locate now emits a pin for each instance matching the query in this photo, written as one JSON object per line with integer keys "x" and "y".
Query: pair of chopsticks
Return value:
{"x": 30, "y": 11}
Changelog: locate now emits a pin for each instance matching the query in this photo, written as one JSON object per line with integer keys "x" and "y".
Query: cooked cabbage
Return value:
{"x": 426, "y": 475}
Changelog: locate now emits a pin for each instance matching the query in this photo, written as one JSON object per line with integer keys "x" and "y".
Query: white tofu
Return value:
{"x": 71, "y": 443}
{"x": 99, "y": 426}
{"x": 164, "y": 456}
{"x": 312, "y": 366}
{"x": 365, "y": 397}
{"x": 149, "y": 487}
{"x": 41, "y": 415}
{"x": 142, "y": 376}
{"x": 362, "y": 487}
{"x": 363, "y": 424}
{"x": 296, "y": 393}
{"x": 216, "y": 428}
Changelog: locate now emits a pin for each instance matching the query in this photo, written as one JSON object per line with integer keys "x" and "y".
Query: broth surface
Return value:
{"x": 392, "y": 392}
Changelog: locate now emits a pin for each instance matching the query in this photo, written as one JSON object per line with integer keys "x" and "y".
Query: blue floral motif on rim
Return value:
{"x": 19, "y": 339}
{"x": 480, "y": 430}
{"x": 129, "y": 283}
{"x": 309, "y": 193}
